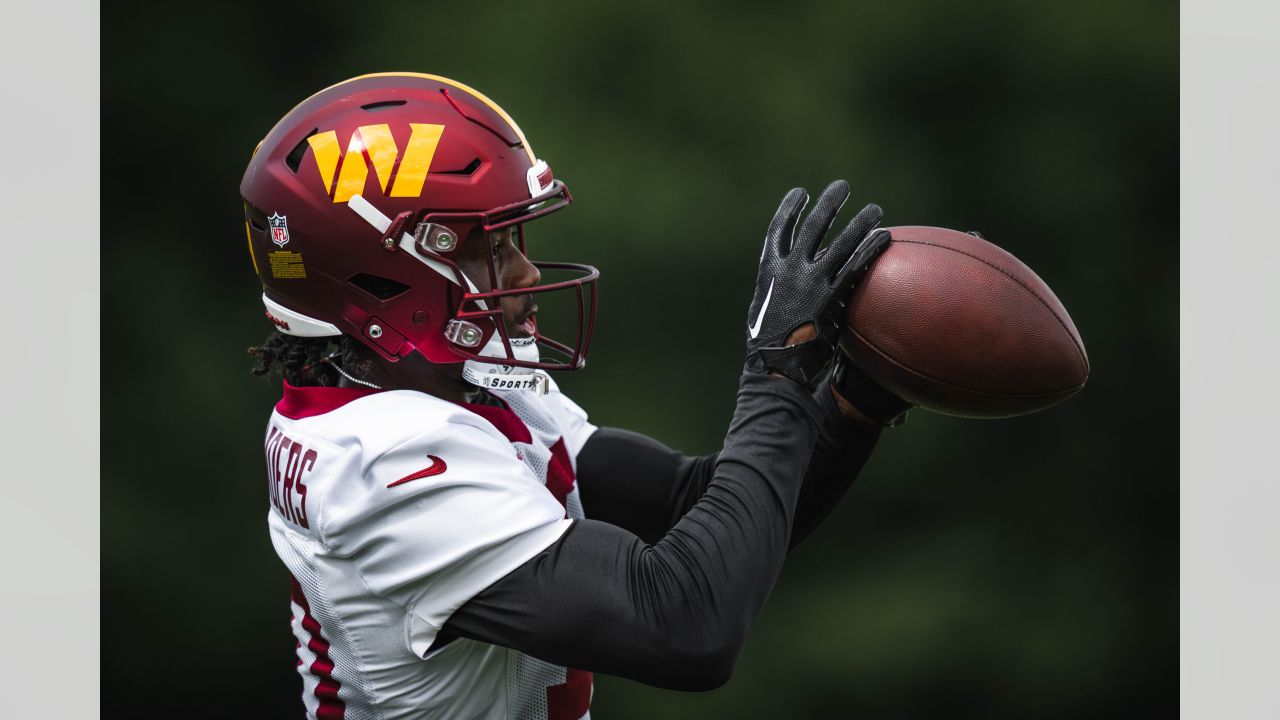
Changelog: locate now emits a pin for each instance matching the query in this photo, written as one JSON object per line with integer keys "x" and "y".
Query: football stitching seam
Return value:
{"x": 940, "y": 381}
{"x": 1079, "y": 348}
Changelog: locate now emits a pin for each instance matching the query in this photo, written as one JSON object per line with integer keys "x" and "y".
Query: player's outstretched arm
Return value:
{"x": 637, "y": 483}
{"x": 676, "y": 612}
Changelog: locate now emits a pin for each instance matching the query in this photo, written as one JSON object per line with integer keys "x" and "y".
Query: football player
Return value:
{"x": 462, "y": 540}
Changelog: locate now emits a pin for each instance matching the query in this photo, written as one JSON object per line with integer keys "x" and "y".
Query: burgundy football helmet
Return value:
{"x": 358, "y": 200}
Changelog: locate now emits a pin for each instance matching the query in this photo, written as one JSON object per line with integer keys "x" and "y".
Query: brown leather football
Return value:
{"x": 954, "y": 324}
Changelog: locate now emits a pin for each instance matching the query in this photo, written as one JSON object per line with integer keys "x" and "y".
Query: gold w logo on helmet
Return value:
{"x": 375, "y": 141}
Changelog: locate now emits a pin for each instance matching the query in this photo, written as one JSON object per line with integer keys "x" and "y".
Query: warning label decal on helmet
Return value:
{"x": 287, "y": 265}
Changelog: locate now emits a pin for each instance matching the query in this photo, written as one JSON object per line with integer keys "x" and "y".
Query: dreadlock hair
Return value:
{"x": 307, "y": 361}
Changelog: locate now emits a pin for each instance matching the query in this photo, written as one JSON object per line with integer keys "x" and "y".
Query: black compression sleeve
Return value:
{"x": 842, "y": 449}
{"x": 637, "y": 483}
{"x": 674, "y": 613}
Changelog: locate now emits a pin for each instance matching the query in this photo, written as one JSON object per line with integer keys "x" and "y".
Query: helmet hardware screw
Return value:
{"x": 375, "y": 331}
{"x": 444, "y": 241}
{"x": 389, "y": 244}
{"x": 470, "y": 336}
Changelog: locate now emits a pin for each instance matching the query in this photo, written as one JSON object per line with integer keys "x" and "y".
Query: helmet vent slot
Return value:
{"x": 257, "y": 225}
{"x": 379, "y": 287}
{"x": 383, "y": 105}
{"x": 294, "y": 160}
{"x": 471, "y": 167}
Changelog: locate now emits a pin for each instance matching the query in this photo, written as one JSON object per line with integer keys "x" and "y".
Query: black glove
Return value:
{"x": 798, "y": 284}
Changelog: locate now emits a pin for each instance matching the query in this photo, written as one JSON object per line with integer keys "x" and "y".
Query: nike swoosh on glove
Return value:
{"x": 800, "y": 282}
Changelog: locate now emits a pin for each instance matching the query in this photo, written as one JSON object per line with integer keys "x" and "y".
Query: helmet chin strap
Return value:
{"x": 493, "y": 376}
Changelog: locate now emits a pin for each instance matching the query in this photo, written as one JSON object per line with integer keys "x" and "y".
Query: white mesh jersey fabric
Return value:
{"x": 527, "y": 682}
{"x": 323, "y": 644}
{"x": 550, "y": 419}
{"x": 381, "y": 568}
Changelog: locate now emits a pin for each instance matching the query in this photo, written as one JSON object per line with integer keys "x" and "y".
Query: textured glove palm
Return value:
{"x": 800, "y": 282}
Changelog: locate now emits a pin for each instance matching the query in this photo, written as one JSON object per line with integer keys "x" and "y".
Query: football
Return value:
{"x": 954, "y": 324}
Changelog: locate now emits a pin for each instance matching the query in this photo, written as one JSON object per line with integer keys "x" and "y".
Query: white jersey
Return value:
{"x": 393, "y": 509}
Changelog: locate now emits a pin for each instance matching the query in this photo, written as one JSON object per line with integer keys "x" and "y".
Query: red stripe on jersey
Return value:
{"x": 506, "y": 421}
{"x": 559, "y": 473}
{"x": 331, "y": 707}
{"x": 572, "y": 699}
{"x": 328, "y": 689}
{"x": 305, "y": 402}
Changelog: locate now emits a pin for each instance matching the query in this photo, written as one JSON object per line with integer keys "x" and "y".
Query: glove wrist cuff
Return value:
{"x": 802, "y": 362}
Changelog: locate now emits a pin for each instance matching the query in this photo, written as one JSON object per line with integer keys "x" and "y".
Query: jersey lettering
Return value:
{"x": 287, "y": 462}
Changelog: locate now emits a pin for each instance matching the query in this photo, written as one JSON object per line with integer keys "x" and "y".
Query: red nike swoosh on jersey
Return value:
{"x": 436, "y": 467}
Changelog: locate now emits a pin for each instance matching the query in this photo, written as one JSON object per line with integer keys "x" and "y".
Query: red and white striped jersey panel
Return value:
{"x": 320, "y": 686}
{"x": 390, "y": 511}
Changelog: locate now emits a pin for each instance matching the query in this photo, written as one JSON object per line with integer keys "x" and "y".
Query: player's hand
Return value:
{"x": 800, "y": 284}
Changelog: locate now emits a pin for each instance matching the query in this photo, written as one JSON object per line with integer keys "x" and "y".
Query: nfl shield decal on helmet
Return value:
{"x": 279, "y": 229}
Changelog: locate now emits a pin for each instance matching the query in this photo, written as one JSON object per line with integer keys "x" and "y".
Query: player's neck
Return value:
{"x": 414, "y": 372}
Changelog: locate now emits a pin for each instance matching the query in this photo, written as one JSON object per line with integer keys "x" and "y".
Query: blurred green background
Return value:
{"x": 1015, "y": 568}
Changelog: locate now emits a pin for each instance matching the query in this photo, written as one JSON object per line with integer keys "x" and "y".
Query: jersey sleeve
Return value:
{"x": 438, "y": 518}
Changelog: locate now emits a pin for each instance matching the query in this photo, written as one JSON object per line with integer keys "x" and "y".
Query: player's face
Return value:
{"x": 511, "y": 270}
